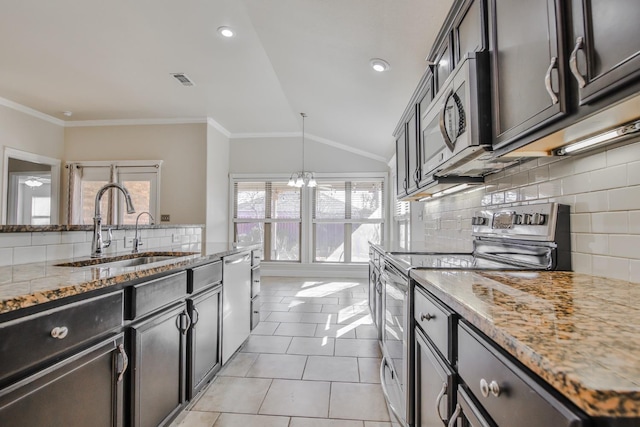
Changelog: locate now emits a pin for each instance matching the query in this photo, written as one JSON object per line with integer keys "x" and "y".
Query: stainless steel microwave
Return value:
{"x": 456, "y": 127}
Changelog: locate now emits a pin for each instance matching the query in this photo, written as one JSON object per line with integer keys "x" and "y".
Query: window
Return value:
{"x": 401, "y": 221}
{"x": 269, "y": 212}
{"x": 141, "y": 181}
{"x": 346, "y": 216}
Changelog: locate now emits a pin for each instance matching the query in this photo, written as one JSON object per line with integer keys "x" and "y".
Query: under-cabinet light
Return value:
{"x": 605, "y": 137}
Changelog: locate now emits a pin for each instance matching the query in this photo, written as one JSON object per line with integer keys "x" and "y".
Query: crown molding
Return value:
{"x": 31, "y": 112}
{"x": 133, "y": 122}
{"x": 211, "y": 122}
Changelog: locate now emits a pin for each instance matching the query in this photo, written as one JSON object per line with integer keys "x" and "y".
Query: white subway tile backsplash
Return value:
{"x": 617, "y": 268}
{"x": 633, "y": 173}
{"x": 10, "y": 240}
{"x": 592, "y": 243}
{"x": 520, "y": 179}
{"x": 581, "y": 223}
{"x": 74, "y": 237}
{"x": 624, "y": 199}
{"x": 581, "y": 263}
{"x": 634, "y": 270}
{"x": 550, "y": 189}
{"x": 576, "y": 184}
{"x": 623, "y": 155}
{"x": 605, "y": 179}
{"x": 52, "y": 238}
{"x": 625, "y": 246}
{"x": 539, "y": 174}
{"x": 6, "y": 256}
{"x": 589, "y": 162}
{"x": 81, "y": 249}
{"x": 592, "y": 202}
{"x": 561, "y": 169}
{"x": 634, "y": 222}
{"x": 529, "y": 193}
{"x": 610, "y": 222}
{"x": 27, "y": 254}
{"x": 56, "y": 252}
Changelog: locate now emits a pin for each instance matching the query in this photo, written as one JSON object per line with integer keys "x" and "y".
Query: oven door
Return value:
{"x": 395, "y": 341}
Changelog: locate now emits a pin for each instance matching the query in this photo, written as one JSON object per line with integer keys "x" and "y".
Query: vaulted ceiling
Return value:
{"x": 112, "y": 60}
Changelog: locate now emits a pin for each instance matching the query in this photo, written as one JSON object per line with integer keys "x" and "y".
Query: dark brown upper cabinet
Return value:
{"x": 470, "y": 29}
{"x": 606, "y": 46}
{"x": 529, "y": 66}
{"x": 413, "y": 165}
{"x": 402, "y": 183}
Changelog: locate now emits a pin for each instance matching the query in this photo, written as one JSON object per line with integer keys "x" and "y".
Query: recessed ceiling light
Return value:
{"x": 67, "y": 113}
{"x": 226, "y": 32}
{"x": 379, "y": 65}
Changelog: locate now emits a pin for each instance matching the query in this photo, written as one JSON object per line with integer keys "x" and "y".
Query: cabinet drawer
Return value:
{"x": 27, "y": 341}
{"x": 149, "y": 296}
{"x": 435, "y": 320}
{"x": 201, "y": 277}
{"x": 256, "y": 257}
{"x": 504, "y": 389}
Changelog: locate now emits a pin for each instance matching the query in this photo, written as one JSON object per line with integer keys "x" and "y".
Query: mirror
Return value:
{"x": 30, "y": 190}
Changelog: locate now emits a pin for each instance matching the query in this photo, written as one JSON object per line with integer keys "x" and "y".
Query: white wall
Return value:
{"x": 602, "y": 189}
{"x": 27, "y": 133}
{"x": 182, "y": 147}
{"x": 217, "y": 191}
{"x": 284, "y": 155}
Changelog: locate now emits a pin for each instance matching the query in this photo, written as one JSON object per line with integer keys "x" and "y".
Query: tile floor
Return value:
{"x": 313, "y": 361}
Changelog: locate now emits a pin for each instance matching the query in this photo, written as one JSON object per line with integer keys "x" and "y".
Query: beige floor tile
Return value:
{"x": 376, "y": 424}
{"x": 358, "y": 402}
{"x": 304, "y": 307}
{"x": 323, "y": 318}
{"x": 357, "y": 348}
{"x": 311, "y": 346}
{"x": 238, "y": 365}
{"x": 369, "y": 332}
{"x": 269, "y": 298}
{"x": 266, "y": 344}
{"x": 369, "y": 369}
{"x": 311, "y": 299}
{"x": 231, "y": 394}
{"x": 278, "y": 366}
{"x": 296, "y": 329}
{"x": 274, "y": 306}
{"x": 335, "y": 331}
{"x": 244, "y": 420}
{"x": 265, "y": 328}
{"x": 337, "y": 308}
{"x": 320, "y": 422}
{"x": 278, "y": 316}
{"x": 330, "y": 368}
{"x": 297, "y": 398}
{"x": 195, "y": 419}
{"x": 357, "y": 319}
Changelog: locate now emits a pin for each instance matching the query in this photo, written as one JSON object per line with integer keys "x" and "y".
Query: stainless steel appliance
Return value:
{"x": 236, "y": 302}
{"x": 375, "y": 289}
{"x": 532, "y": 237}
{"x": 456, "y": 128}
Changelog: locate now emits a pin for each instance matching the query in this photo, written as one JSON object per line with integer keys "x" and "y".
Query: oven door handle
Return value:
{"x": 386, "y": 393}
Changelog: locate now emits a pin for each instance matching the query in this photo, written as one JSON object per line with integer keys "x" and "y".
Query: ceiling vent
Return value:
{"x": 182, "y": 78}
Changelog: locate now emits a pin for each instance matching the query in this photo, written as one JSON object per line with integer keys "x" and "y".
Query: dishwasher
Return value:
{"x": 236, "y": 303}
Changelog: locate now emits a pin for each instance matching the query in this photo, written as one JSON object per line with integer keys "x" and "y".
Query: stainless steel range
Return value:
{"x": 532, "y": 237}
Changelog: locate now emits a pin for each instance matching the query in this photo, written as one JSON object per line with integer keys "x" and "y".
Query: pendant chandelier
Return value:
{"x": 302, "y": 178}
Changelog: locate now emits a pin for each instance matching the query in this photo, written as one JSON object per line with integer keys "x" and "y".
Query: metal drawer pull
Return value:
{"x": 442, "y": 393}
{"x": 196, "y": 316}
{"x": 494, "y": 388}
{"x": 125, "y": 362}
{"x": 547, "y": 81}
{"x": 573, "y": 63}
{"x": 60, "y": 332}
{"x": 484, "y": 387}
{"x": 454, "y": 416}
{"x": 427, "y": 316}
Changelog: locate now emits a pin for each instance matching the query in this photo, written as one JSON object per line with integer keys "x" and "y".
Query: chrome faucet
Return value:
{"x": 138, "y": 241}
{"x": 97, "y": 245}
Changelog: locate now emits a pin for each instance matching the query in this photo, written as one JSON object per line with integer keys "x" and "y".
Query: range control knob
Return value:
{"x": 526, "y": 219}
{"x": 517, "y": 219}
{"x": 478, "y": 220}
{"x": 538, "y": 219}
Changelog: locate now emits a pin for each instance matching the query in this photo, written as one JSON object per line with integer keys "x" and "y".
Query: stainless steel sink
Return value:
{"x": 131, "y": 260}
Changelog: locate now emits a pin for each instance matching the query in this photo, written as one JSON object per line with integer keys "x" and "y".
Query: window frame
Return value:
{"x": 306, "y": 235}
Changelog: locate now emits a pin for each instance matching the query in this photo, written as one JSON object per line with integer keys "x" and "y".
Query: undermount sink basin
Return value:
{"x": 131, "y": 260}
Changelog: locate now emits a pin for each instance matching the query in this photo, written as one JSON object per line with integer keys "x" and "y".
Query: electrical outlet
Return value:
{"x": 165, "y": 217}
{"x": 128, "y": 242}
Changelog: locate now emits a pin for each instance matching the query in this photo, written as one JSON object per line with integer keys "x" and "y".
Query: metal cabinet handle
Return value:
{"x": 125, "y": 361}
{"x": 184, "y": 315}
{"x": 427, "y": 316}
{"x": 547, "y": 81}
{"x": 454, "y": 416}
{"x": 484, "y": 387}
{"x": 494, "y": 388}
{"x": 573, "y": 63}
{"x": 442, "y": 393}
{"x": 404, "y": 184}
{"x": 383, "y": 384}
{"x": 196, "y": 316}
{"x": 59, "y": 332}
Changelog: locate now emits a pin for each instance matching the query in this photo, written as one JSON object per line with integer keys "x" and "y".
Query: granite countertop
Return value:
{"x": 88, "y": 227}
{"x": 577, "y": 332}
{"x": 27, "y": 285}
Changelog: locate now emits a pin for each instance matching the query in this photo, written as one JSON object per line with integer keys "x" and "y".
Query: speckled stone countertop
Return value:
{"x": 62, "y": 227}
{"x": 27, "y": 285}
{"x": 579, "y": 333}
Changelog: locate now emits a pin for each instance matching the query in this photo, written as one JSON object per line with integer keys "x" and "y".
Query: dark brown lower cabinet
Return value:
{"x": 467, "y": 414}
{"x": 85, "y": 389}
{"x": 435, "y": 385}
{"x": 204, "y": 339}
{"x": 159, "y": 366}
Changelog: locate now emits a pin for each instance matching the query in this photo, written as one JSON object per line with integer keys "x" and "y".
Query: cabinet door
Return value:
{"x": 413, "y": 161}
{"x": 469, "y": 30}
{"x": 83, "y": 390}
{"x": 528, "y": 66}
{"x": 467, "y": 413}
{"x": 435, "y": 387}
{"x": 204, "y": 339}
{"x": 402, "y": 183}
{"x": 158, "y": 357}
{"x": 606, "y": 42}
